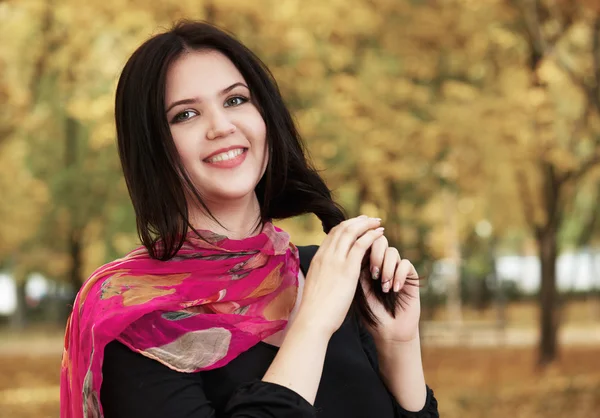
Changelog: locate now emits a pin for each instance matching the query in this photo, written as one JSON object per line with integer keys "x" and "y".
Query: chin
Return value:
{"x": 231, "y": 193}
{"x": 227, "y": 187}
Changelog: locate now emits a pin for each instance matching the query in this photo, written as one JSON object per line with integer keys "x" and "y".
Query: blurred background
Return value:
{"x": 472, "y": 127}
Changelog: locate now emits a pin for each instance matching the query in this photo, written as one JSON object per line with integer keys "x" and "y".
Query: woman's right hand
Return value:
{"x": 334, "y": 272}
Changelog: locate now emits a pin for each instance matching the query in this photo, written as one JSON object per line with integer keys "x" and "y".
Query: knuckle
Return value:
{"x": 339, "y": 229}
{"x": 392, "y": 251}
{"x": 352, "y": 229}
{"x": 347, "y": 222}
{"x": 360, "y": 244}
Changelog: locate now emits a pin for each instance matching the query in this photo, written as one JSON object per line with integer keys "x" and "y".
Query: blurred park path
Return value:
{"x": 476, "y": 378}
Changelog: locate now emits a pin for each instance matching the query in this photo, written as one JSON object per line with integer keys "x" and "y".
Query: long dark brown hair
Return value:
{"x": 156, "y": 179}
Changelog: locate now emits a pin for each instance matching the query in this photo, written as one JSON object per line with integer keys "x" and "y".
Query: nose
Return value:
{"x": 219, "y": 125}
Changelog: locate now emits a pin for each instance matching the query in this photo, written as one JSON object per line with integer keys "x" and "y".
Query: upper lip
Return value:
{"x": 224, "y": 150}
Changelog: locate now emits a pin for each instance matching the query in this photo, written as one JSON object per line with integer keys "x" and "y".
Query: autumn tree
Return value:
{"x": 563, "y": 47}
{"x": 531, "y": 109}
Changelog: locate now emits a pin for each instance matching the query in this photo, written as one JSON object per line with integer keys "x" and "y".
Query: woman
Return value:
{"x": 218, "y": 314}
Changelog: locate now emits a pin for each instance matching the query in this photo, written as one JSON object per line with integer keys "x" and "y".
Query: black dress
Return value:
{"x": 136, "y": 386}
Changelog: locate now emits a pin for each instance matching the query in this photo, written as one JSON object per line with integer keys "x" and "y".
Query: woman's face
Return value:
{"x": 218, "y": 131}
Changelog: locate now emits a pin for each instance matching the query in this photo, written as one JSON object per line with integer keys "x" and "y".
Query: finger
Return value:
{"x": 404, "y": 271}
{"x": 361, "y": 245}
{"x": 339, "y": 230}
{"x": 328, "y": 246}
{"x": 352, "y": 232}
{"x": 377, "y": 254}
{"x": 390, "y": 262}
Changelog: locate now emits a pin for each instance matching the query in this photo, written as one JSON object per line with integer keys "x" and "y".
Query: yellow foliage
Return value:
{"x": 23, "y": 197}
{"x": 409, "y": 93}
{"x": 461, "y": 92}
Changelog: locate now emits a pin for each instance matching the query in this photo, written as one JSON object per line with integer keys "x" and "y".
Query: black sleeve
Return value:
{"x": 136, "y": 386}
{"x": 430, "y": 410}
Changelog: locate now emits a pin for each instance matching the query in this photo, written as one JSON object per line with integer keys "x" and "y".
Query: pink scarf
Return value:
{"x": 218, "y": 296}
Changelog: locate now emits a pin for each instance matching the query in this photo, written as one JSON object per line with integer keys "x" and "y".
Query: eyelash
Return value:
{"x": 242, "y": 98}
{"x": 176, "y": 118}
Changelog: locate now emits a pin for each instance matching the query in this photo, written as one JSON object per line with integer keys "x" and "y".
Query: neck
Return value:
{"x": 239, "y": 219}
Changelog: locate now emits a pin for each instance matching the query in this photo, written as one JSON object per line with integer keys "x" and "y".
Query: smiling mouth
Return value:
{"x": 226, "y": 156}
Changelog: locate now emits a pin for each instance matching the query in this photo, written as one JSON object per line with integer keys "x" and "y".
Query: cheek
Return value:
{"x": 260, "y": 135}
{"x": 185, "y": 147}
{"x": 263, "y": 146}
{"x": 256, "y": 124}
{"x": 256, "y": 131}
{"x": 265, "y": 160}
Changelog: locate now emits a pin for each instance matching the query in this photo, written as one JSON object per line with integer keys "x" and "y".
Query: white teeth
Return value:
{"x": 224, "y": 156}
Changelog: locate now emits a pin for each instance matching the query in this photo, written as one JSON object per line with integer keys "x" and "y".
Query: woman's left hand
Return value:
{"x": 395, "y": 274}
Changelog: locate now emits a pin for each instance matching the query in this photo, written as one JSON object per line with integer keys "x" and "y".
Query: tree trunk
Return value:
{"x": 74, "y": 234}
{"x": 63, "y": 310}
{"x": 547, "y": 240}
{"x": 18, "y": 319}
{"x": 548, "y": 347}
{"x": 75, "y": 248}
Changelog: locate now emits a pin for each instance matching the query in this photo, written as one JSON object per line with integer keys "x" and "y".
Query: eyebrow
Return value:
{"x": 197, "y": 100}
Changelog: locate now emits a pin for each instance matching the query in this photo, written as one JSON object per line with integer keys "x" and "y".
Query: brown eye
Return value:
{"x": 235, "y": 101}
{"x": 183, "y": 116}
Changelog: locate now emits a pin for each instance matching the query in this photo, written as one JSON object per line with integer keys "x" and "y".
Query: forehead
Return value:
{"x": 200, "y": 74}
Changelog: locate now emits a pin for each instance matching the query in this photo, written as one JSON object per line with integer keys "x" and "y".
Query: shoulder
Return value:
{"x": 92, "y": 284}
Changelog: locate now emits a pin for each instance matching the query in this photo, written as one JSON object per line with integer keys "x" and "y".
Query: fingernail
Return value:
{"x": 396, "y": 287}
{"x": 377, "y": 219}
{"x": 362, "y": 217}
{"x": 375, "y": 273}
{"x": 380, "y": 229}
{"x": 386, "y": 286}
